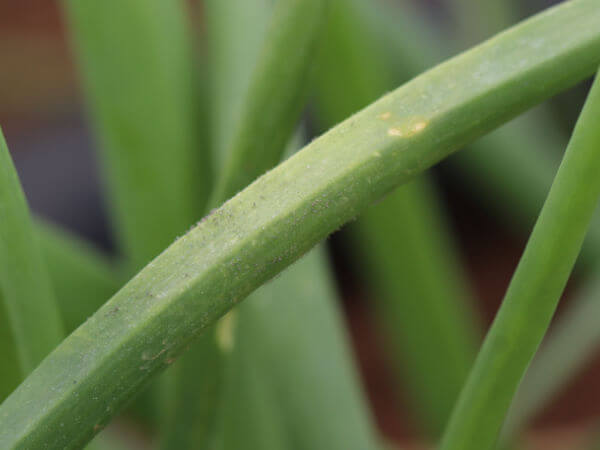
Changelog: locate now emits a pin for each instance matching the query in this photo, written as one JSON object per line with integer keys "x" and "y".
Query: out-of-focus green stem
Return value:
{"x": 138, "y": 74}
{"x": 476, "y": 21}
{"x": 236, "y": 32}
{"x": 11, "y": 374}
{"x": 534, "y": 290}
{"x": 271, "y": 102}
{"x": 31, "y": 312}
{"x": 275, "y": 97}
{"x": 422, "y": 299}
{"x": 83, "y": 278}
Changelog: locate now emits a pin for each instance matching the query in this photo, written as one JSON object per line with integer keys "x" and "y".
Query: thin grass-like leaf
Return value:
{"x": 534, "y": 290}
{"x": 82, "y": 277}
{"x": 275, "y": 97}
{"x": 475, "y": 20}
{"x": 424, "y": 304}
{"x": 232, "y": 62}
{"x": 11, "y": 374}
{"x": 28, "y": 300}
{"x": 138, "y": 72}
{"x": 283, "y": 214}
{"x": 82, "y": 281}
{"x": 565, "y": 351}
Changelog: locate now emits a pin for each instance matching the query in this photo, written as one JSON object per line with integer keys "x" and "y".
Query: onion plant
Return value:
{"x": 213, "y": 192}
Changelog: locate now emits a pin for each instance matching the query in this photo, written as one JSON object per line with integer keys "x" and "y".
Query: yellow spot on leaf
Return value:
{"x": 408, "y": 129}
{"x": 385, "y": 115}
{"x": 419, "y": 126}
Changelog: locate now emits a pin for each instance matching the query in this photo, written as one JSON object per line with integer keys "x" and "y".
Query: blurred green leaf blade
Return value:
{"x": 139, "y": 76}
{"x": 83, "y": 277}
{"x": 31, "y": 312}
